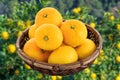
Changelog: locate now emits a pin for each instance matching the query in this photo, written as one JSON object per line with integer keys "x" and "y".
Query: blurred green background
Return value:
{"x": 103, "y": 15}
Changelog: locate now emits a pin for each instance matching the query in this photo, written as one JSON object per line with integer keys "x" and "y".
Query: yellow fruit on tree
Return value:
{"x": 48, "y": 15}
{"x": 118, "y": 59}
{"x": 87, "y": 70}
{"x": 27, "y": 66}
{"x": 39, "y": 76}
{"x": 28, "y": 23}
{"x": 5, "y": 35}
{"x": 48, "y": 37}
{"x": 118, "y": 45}
{"x": 21, "y": 24}
{"x": 11, "y": 48}
{"x": 17, "y": 72}
{"x": 118, "y": 26}
{"x": 31, "y": 31}
{"x": 93, "y": 76}
{"x": 92, "y": 24}
{"x": 19, "y": 33}
{"x": 112, "y": 17}
{"x": 74, "y": 32}
{"x": 59, "y": 77}
{"x": 117, "y": 78}
{"x": 96, "y": 61}
{"x": 53, "y": 78}
{"x": 76, "y": 10}
{"x": 86, "y": 49}
{"x": 63, "y": 55}
{"x": 32, "y": 50}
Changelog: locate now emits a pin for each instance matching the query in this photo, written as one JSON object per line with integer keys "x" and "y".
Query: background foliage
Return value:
{"x": 104, "y": 15}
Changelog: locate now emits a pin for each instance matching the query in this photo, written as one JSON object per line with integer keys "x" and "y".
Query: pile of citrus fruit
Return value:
{"x": 56, "y": 41}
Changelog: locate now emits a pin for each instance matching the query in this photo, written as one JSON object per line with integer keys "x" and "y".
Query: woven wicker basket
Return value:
{"x": 65, "y": 69}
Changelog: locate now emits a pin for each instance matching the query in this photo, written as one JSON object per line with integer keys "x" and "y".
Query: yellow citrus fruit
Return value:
{"x": 19, "y": 33}
{"x": 31, "y": 31}
{"x": 53, "y": 77}
{"x": 48, "y": 37}
{"x": 11, "y": 48}
{"x": 118, "y": 59}
{"x": 5, "y": 35}
{"x": 76, "y": 10}
{"x": 28, "y": 23}
{"x": 59, "y": 77}
{"x": 74, "y": 32}
{"x": 93, "y": 76}
{"x": 102, "y": 52}
{"x": 87, "y": 70}
{"x": 63, "y": 55}
{"x": 96, "y": 61}
{"x": 102, "y": 77}
{"x": 118, "y": 26}
{"x": 32, "y": 50}
{"x": 27, "y": 66}
{"x": 117, "y": 78}
{"x": 112, "y": 17}
{"x": 17, "y": 72}
{"x": 21, "y": 24}
{"x": 48, "y": 15}
{"x": 39, "y": 76}
{"x": 92, "y": 24}
{"x": 86, "y": 49}
{"x": 118, "y": 45}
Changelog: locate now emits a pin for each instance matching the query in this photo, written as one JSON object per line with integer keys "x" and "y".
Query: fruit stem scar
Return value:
{"x": 45, "y": 15}
{"x": 46, "y": 38}
{"x": 72, "y": 27}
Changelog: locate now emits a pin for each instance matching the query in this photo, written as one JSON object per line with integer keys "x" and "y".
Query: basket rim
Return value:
{"x": 45, "y": 65}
